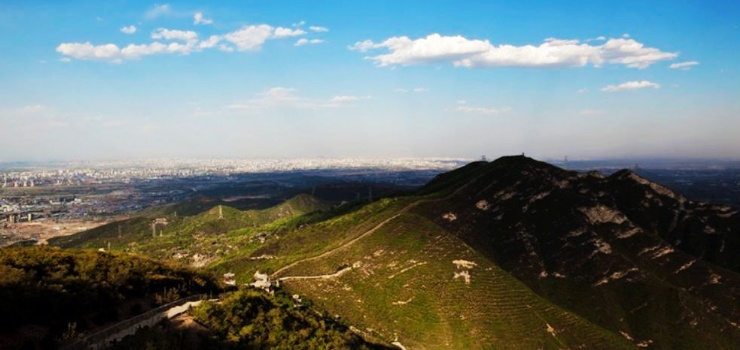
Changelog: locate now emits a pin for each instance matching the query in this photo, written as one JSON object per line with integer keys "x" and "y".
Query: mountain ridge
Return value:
{"x": 564, "y": 232}
{"x": 513, "y": 253}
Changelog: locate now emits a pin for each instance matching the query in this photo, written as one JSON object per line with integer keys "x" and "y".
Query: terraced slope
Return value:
{"x": 412, "y": 282}
{"x": 513, "y": 253}
{"x": 625, "y": 253}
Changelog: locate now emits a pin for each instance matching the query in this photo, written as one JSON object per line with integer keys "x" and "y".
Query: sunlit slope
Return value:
{"x": 204, "y": 236}
{"x": 287, "y": 243}
{"x": 413, "y": 282}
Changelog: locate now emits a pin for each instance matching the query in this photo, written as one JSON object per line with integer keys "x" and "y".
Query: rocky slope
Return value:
{"x": 621, "y": 251}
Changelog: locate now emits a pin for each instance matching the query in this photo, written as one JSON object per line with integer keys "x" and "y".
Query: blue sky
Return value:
{"x": 254, "y": 79}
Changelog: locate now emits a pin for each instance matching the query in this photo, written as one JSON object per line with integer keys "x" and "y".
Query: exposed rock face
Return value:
{"x": 622, "y": 251}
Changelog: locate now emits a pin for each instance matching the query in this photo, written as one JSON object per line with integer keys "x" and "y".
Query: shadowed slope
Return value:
{"x": 612, "y": 249}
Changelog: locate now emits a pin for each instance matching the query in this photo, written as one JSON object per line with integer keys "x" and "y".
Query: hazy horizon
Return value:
{"x": 587, "y": 80}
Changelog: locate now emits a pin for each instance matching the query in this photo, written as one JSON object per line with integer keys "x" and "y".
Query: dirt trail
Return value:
{"x": 377, "y": 227}
{"x": 336, "y": 274}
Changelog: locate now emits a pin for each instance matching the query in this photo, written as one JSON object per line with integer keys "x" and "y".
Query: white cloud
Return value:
{"x": 631, "y": 85}
{"x": 282, "y": 97}
{"x": 684, "y": 65}
{"x": 199, "y": 19}
{"x": 420, "y": 89}
{"x": 211, "y": 42}
{"x": 87, "y": 51}
{"x": 364, "y": 46}
{"x": 128, "y": 29}
{"x": 433, "y": 48}
{"x": 167, "y": 34}
{"x": 463, "y": 107}
{"x": 318, "y": 29}
{"x": 282, "y": 32}
{"x": 304, "y": 41}
{"x": 299, "y": 24}
{"x": 250, "y": 38}
{"x": 552, "y": 53}
{"x": 158, "y": 11}
{"x": 112, "y": 53}
{"x": 400, "y": 90}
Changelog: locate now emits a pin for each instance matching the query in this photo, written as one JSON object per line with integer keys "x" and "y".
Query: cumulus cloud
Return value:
{"x": 684, "y": 65}
{"x": 198, "y": 19}
{"x": 474, "y": 53}
{"x": 247, "y": 38}
{"x": 250, "y": 38}
{"x": 167, "y": 34}
{"x": 87, "y": 51}
{"x": 128, "y": 29}
{"x": 212, "y": 41}
{"x": 282, "y": 32}
{"x": 631, "y": 85}
{"x": 318, "y": 29}
{"x": 157, "y": 11}
{"x": 112, "y": 53}
{"x": 304, "y": 41}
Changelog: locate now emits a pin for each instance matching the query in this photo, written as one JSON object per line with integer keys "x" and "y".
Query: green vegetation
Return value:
{"x": 54, "y": 294}
{"x": 251, "y": 319}
{"x": 201, "y": 238}
{"x": 402, "y": 286}
{"x": 494, "y": 255}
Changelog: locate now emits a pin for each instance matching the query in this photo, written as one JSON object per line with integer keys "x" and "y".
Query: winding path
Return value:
{"x": 377, "y": 227}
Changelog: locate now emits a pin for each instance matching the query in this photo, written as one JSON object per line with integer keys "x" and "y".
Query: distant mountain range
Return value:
{"x": 513, "y": 253}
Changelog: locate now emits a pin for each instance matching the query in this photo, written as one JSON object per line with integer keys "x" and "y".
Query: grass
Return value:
{"x": 403, "y": 287}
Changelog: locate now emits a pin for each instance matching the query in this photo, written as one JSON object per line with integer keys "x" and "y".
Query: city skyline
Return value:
{"x": 590, "y": 80}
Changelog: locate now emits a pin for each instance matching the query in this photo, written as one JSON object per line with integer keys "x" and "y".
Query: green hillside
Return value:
{"x": 196, "y": 239}
{"x": 413, "y": 283}
{"x": 513, "y": 254}
{"x": 50, "y": 295}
